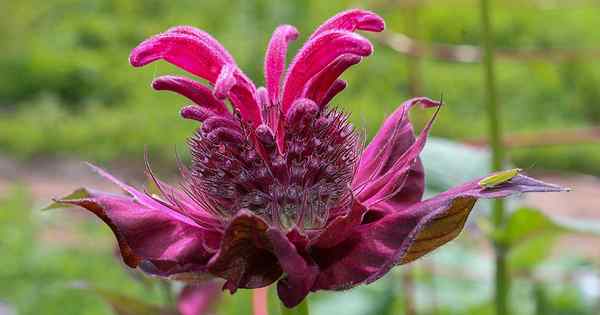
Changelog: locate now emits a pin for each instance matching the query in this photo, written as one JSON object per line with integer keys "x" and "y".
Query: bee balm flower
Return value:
{"x": 279, "y": 188}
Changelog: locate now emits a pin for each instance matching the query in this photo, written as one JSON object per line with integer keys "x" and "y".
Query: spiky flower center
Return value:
{"x": 235, "y": 167}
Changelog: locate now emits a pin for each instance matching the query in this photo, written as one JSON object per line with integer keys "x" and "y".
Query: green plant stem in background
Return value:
{"x": 167, "y": 291}
{"x": 495, "y": 135}
{"x": 301, "y": 309}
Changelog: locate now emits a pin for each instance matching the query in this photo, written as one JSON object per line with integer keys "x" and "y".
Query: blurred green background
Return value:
{"x": 68, "y": 93}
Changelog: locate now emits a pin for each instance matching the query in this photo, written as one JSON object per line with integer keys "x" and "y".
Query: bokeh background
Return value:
{"x": 68, "y": 94}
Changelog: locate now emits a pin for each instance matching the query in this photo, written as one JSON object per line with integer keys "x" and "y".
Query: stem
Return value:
{"x": 300, "y": 309}
{"x": 167, "y": 291}
{"x": 408, "y": 291}
{"x": 495, "y": 134}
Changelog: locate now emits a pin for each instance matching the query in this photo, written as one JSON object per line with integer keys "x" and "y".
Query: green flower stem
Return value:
{"x": 301, "y": 309}
{"x": 502, "y": 277}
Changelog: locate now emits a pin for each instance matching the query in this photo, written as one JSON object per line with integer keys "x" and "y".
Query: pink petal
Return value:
{"x": 275, "y": 59}
{"x": 352, "y": 20}
{"x": 244, "y": 100}
{"x": 315, "y": 55}
{"x": 196, "y": 92}
{"x": 403, "y": 236}
{"x": 318, "y": 86}
{"x": 196, "y": 112}
{"x": 233, "y": 84}
{"x": 204, "y": 37}
{"x": 225, "y": 81}
{"x": 390, "y": 162}
{"x": 200, "y": 54}
{"x": 195, "y": 55}
{"x": 336, "y": 87}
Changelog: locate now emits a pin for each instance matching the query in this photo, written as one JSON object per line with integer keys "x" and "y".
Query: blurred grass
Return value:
{"x": 40, "y": 267}
{"x": 66, "y": 88}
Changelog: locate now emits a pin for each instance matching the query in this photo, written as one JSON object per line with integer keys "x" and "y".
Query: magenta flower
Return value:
{"x": 280, "y": 188}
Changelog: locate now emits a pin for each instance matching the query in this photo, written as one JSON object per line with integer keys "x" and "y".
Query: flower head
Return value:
{"x": 280, "y": 187}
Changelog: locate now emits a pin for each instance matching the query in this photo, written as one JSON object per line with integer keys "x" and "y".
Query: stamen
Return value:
{"x": 299, "y": 188}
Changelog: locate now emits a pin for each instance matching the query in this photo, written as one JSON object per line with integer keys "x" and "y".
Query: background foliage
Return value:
{"x": 66, "y": 87}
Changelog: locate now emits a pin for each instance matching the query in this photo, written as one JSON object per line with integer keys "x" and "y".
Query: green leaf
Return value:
{"x": 239, "y": 303}
{"x": 77, "y": 194}
{"x": 527, "y": 223}
{"x": 531, "y": 252}
{"x": 531, "y": 234}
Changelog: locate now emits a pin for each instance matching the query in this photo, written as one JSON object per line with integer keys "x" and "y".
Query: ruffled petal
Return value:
{"x": 315, "y": 55}
{"x": 275, "y": 59}
{"x": 171, "y": 242}
{"x": 198, "y": 299}
{"x": 340, "y": 228}
{"x": 403, "y": 236}
{"x": 245, "y": 258}
{"x": 300, "y": 272}
{"x": 389, "y": 169}
{"x": 319, "y": 86}
{"x": 196, "y": 92}
{"x": 352, "y": 20}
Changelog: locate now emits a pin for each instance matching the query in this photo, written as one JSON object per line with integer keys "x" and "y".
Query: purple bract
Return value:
{"x": 280, "y": 188}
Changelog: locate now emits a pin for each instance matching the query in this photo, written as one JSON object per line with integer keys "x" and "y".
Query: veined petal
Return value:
{"x": 315, "y": 55}
{"x": 196, "y": 92}
{"x": 275, "y": 59}
{"x": 245, "y": 259}
{"x": 319, "y": 86}
{"x": 340, "y": 228}
{"x": 352, "y": 20}
{"x": 390, "y": 162}
{"x": 147, "y": 234}
{"x": 403, "y": 236}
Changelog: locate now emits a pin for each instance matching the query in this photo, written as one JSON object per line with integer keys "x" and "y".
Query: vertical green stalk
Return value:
{"x": 301, "y": 309}
{"x": 408, "y": 290}
{"x": 167, "y": 292}
{"x": 495, "y": 134}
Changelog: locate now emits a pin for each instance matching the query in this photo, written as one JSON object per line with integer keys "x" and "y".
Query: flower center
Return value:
{"x": 234, "y": 168}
